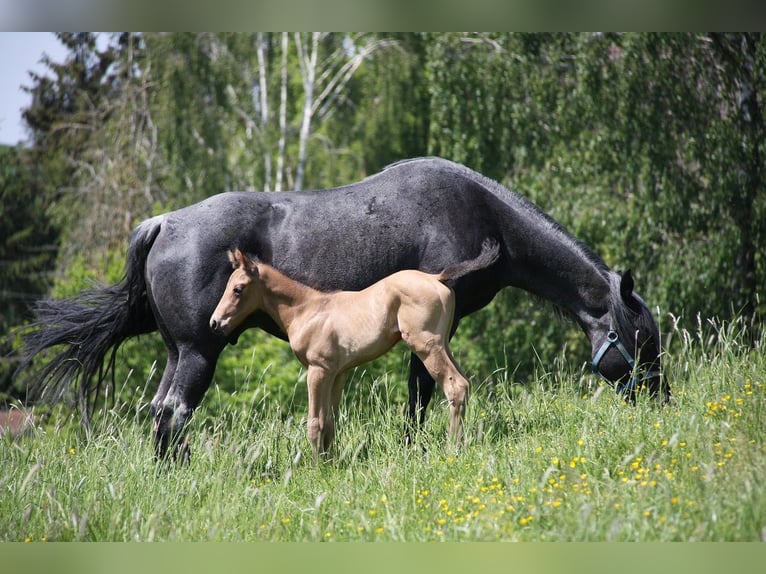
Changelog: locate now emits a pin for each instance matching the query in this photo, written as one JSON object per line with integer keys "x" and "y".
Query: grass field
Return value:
{"x": 563, "y": 459}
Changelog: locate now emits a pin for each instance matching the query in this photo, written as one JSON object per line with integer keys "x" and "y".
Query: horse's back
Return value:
{"x": 418, "y": 214}
{"x": 408, "y": 202}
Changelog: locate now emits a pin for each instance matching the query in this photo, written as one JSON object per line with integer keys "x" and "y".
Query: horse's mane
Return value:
{"x": 514, "y": 200}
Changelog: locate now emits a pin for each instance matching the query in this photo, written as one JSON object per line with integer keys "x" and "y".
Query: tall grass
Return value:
{"x": 561, "y": 459}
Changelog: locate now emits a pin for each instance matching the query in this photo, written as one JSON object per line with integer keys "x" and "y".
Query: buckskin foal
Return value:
{"x": 333, "y": 332}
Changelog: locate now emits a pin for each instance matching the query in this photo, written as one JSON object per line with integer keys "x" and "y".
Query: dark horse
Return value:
{"x": 425, "y": 214}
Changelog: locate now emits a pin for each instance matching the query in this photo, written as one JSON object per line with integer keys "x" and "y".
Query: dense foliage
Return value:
{"x": 26, "y": 251}
{"x": 648, "y": 147}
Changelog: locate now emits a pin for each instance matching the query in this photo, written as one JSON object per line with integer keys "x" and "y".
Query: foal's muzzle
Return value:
{"x": 218, "y": 326}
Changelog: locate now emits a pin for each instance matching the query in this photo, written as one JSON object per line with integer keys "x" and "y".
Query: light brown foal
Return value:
{"x": 331, "y": 333}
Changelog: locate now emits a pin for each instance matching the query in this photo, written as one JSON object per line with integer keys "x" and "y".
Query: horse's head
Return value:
{"x": 627, "y": 354}
{"x": 241, "y": 297}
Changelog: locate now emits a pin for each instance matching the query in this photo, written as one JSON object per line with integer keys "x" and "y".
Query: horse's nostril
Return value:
{"x": 213, "y": 324}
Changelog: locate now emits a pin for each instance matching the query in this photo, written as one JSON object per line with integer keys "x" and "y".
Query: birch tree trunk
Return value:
{"x": 324, "y": 78}
{"x": 308, "y": 65}
{"x": 282, "y": 116}
{"x": 264, "y": 98}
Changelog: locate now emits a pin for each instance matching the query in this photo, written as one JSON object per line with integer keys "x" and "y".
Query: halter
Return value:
{"x": 613, "y": 340}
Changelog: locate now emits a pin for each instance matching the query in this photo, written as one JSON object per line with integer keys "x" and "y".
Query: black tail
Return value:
{"x": 490, "y": 251}
{"x": 88, "y": 326}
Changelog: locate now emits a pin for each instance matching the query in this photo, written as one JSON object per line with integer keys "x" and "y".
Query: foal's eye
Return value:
{"x": 237, "y": 291}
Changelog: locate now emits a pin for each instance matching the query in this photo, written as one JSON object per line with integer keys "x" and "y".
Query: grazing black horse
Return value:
{"x": 425, "y": 213}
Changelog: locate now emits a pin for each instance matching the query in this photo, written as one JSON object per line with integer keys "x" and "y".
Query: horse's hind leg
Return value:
{"x": 421, "y": 389}
{"x": 155, "y": 409}
{"x": 191, "y": 379}
{"x": 167, "y": 374}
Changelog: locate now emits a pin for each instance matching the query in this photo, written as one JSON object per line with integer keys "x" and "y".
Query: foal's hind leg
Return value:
{"x": 421, "y": 389}
{"x": 455, "y": 386}
{"x": 426, "y": 327}
{"x": 434, "y": 353}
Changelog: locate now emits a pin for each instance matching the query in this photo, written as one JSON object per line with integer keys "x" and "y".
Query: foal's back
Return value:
{"x": 349, "y": 328}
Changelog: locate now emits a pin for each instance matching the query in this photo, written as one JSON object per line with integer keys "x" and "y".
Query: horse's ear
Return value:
{"x": 626, "y": 286}
{"x": 626, "y": 290}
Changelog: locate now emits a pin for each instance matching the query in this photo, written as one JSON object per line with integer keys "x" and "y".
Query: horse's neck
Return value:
{"x": 557, "y": 268}
{"x": 585, "y": 298}
{"x": 283, "y": 297}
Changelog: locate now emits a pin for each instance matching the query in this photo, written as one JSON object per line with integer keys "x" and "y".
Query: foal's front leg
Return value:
{"x": 321, "y": 422}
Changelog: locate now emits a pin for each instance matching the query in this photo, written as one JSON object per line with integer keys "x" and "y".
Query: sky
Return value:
{"x": 20, "y": 52}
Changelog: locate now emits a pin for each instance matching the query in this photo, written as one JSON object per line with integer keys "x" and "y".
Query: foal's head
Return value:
{"x": 241, "y": 297}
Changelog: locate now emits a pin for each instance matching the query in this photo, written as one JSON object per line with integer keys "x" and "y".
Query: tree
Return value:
{"x": 742, "y": 58}
{"x": 648, "y": 147}
{"x": 390, "y": 116}
{"x": 116, "y": 174}
{"x": 688, "y": 133}
{"x": 27, "y": 252}
{"x": 67, "y": 119}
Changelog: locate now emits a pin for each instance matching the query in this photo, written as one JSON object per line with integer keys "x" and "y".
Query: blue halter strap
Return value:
{"x": 613, "y": 340}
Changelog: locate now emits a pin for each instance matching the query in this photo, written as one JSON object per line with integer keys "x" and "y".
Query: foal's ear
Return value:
{"x": 236, "y": 258}
{"x": 251, "y": 265}
{"x": 241, "y": 261}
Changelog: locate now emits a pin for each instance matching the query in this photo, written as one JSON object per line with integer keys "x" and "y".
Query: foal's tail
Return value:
{"x": 490, "y": 251}
{"x": 88, "y": 325}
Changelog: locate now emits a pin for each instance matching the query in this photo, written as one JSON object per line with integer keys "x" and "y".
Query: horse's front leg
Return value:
{"x": 321, "y": 423}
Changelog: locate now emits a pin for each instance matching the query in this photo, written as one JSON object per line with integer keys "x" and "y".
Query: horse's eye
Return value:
{"x": 237, "y": 291}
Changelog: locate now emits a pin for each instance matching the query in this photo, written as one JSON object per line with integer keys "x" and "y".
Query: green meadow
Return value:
{"x": 558, "y": 459}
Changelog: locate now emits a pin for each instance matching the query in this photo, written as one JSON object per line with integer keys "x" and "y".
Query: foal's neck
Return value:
{"x": 283, "y": 298}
